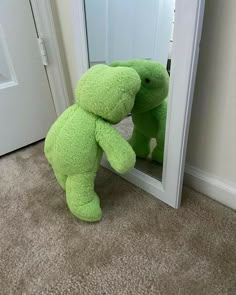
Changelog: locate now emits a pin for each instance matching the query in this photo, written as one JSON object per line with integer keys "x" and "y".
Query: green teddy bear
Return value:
{"x": 150, "y": 108}
{"x": 75, "y": 143}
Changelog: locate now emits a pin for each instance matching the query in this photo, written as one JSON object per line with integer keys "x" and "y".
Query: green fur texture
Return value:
{"x": 75, "y": 143}
{"x": 150, "y": 108}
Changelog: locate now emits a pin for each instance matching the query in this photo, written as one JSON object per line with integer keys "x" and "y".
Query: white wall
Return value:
{"x": 212, "y": 137}
{"x": 96, "y": 18}
{"x": 64, "y": 13}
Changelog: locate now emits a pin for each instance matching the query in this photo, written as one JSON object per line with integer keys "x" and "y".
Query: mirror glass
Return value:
{"x": 137, "y": 34}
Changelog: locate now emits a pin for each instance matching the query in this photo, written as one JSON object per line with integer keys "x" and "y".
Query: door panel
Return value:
{"x": 26, "y": 105}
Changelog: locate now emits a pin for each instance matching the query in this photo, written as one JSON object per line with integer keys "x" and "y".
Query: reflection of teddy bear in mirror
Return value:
{"x": 74, "y": 144}
{"x": 150, "y": 108}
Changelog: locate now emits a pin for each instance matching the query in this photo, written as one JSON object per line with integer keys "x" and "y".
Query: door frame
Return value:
{"x": 46, "y": 27}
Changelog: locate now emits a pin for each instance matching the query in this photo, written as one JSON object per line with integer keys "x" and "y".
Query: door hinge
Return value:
{"x": 43, "y": 51}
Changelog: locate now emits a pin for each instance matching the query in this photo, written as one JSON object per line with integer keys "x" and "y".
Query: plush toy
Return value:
{"x": 150, "y": 108}
{"x": 75, "y": 142}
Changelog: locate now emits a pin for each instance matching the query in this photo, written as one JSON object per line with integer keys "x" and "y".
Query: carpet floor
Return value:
{"x": 141, "y": 246}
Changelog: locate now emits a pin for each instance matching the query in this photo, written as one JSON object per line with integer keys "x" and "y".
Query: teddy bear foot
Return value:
{"x": 90, "y": 212}
{"x": 142, "y": 155}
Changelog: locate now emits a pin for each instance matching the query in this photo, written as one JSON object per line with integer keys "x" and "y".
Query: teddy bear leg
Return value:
{"x": 61, "y": 179}
{"x": 81, "y": 199}
{"x": 158, "y": 155}
{"x": 158, "y": 152}
{"x": 140, "y": 144}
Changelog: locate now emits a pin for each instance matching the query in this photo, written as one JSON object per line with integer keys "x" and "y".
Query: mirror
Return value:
{"x": 138, "y": 34}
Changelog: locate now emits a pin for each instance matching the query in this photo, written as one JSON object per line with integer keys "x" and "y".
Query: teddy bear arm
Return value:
{"x": 118, "y": 151}
{"x": 160, "y": 115}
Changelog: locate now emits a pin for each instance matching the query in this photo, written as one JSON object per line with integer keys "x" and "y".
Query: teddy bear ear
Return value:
{"x": 116, "y": 64}
{"x": 125, "y": 63}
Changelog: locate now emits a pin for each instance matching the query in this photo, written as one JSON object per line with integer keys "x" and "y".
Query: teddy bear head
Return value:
{"x": 154, "y": 83}
{"x": 108, "y": 92}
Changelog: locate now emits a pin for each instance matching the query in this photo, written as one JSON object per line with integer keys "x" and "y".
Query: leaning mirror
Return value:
{"x": 159, "y": 40}
{"x": 137, "y": 34}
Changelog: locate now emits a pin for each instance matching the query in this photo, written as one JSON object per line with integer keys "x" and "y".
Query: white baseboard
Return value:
{"x": 211, "y": 186}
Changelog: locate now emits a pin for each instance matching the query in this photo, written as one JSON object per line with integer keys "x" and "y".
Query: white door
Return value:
{"x": 26, "y": 105}
{"x": 122, "y": 30}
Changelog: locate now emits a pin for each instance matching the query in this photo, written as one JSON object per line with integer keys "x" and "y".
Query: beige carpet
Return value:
{"x": 141, "y": 246}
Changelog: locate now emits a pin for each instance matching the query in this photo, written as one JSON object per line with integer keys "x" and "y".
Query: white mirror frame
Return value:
{"x": 187, "y": 34}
